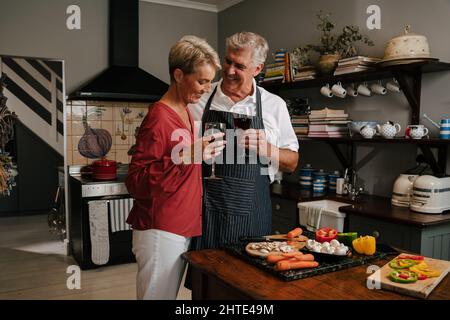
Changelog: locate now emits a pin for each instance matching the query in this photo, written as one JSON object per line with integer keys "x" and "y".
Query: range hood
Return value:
{"x": 123, "y": 80}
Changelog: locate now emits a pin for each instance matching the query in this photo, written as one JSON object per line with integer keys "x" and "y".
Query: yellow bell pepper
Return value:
{"x": 365, "y": 245}
{"x": 423, "y": 268}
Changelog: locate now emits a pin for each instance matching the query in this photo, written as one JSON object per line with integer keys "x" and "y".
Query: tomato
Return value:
{"x": 421, "y": 276}
{"x": 406, "y": 256}
{"x": 326, "y": 234}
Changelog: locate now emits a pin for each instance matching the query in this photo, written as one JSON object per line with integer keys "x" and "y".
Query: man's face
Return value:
{"x": 238, "y": 70}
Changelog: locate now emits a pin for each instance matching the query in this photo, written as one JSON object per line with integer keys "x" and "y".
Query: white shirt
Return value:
{"x": 276, "y": 119}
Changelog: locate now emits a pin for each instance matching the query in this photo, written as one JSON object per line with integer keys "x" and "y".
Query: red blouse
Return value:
{"x": 166, "y": 196}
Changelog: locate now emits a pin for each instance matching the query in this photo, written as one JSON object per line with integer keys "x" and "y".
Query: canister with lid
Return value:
{"x": 306, "y": 178}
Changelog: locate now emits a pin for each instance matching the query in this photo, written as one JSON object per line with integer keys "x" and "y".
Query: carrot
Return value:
{"x": 273, "y": 258}
{"x": 284, "y": 265}
{"x": 293, "y": 256}
{"x": 294, "y": 233}
{"x": 305, "y": 257}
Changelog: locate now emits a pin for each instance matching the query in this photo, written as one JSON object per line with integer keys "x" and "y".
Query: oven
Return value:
{"x": 85, "y": 192}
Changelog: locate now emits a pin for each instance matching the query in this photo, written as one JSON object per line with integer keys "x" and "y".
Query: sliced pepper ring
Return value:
{"x": 425, "y": 270}
{"x": 402, "y": 263}
{"x": 403, "y": 276}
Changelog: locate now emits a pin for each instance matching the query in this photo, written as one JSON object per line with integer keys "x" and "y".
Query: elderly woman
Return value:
{"x": 168, "y": 189}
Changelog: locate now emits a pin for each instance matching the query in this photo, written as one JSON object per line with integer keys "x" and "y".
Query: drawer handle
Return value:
{"x": 277, "y": 207}
{"x": 375, "y": 234}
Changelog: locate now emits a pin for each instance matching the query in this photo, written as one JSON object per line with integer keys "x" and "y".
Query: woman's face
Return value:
{"x": 192, "y": 86}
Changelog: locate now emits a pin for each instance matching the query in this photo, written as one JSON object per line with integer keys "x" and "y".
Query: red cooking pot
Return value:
{"x": 104, "y": 170}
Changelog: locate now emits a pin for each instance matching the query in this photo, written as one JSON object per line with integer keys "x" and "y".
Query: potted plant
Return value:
{"x": 334, "y": 46}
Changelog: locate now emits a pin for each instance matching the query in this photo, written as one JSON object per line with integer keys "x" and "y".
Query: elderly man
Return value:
{"x": 238, "y": 204}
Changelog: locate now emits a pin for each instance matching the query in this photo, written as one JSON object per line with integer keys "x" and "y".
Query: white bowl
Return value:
{"x": 355, "y": 126}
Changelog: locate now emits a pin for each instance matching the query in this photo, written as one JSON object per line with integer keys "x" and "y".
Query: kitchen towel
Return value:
{"x": 313, "y": 214}
{"x": 118, "y": 214}
{"x": 98, "y": 224}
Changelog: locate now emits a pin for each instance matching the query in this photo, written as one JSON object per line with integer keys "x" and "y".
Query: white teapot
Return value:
{"x": 367, "y": 132}
{"x": 389, "y": 129}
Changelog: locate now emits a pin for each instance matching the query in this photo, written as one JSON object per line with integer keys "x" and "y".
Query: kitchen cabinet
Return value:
{"x": 427, "y": 234}
{"x": 284, "y": 215}
{"x": 430, "y": 242}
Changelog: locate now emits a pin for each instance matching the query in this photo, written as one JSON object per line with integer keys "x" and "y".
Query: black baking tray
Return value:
{"x": 325, "y": 266}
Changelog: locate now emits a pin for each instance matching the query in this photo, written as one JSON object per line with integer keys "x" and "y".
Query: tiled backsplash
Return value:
{"x": 111, "y": 116}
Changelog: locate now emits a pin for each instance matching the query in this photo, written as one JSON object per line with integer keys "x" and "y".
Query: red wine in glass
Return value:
{"x": 242, "y": 121}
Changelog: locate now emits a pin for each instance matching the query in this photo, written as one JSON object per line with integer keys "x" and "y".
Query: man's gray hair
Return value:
{"x": 257, "y": 43}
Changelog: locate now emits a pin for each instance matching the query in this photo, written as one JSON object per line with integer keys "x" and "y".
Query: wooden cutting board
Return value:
{"x": 418, "y": 289}
{"x": 256, "y": 253}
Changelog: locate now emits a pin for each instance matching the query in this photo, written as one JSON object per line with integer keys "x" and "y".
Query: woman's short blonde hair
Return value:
{"x": 255, "y": 42}
{"x": 190, "y": 52}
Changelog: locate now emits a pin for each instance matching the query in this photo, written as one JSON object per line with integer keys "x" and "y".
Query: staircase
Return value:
{"x": 34, "y": 88}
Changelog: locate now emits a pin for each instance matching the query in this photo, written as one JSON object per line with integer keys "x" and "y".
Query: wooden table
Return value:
{"x": 217, "y": 274}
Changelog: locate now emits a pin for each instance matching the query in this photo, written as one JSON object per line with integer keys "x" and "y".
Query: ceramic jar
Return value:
{"x": 332, "y": 179}
{"x": 327, "y": 63}
{"x": 320, "y": 180}
{"x": 389, "y": 129}
{"x": 306, "y": 177}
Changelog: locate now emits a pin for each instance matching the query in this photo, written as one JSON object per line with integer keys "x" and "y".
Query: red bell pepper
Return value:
{"x": 407, "y": 256}
{"x": 326, "y": 234}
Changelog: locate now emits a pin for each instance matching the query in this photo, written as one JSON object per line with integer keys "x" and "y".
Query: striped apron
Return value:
{"x": 238, "y": 204}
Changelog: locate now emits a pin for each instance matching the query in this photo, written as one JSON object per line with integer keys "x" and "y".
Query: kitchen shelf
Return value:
{"x": 425, "y": 145}
{"x": 379, "y": 73}
{"x": 429, "y": 142}
{"x": 409, "y": 76}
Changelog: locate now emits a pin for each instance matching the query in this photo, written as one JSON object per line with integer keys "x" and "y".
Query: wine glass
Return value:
{"x": 242, "y": 119}
{"x": 212, "y": 128}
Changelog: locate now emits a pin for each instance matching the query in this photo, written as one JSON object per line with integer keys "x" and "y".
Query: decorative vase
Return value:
{"x": 327, "y": 64}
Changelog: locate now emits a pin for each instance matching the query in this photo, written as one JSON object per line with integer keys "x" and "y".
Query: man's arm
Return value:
{"x": 287, "y": 159}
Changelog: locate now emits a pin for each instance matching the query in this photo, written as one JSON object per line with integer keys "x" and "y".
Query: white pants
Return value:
{"x": 160, "y": 265}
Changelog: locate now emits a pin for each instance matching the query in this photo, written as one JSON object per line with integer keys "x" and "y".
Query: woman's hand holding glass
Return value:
{"x": 213, "y": 145}
{"x": 214, "y": 133}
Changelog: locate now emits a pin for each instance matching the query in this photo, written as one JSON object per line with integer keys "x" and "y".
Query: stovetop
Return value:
{"x": 100, "y": 188}
{"x": 87, "y": 179}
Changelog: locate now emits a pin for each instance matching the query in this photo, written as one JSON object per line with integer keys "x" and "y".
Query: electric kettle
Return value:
{"x": 403, "y": 189}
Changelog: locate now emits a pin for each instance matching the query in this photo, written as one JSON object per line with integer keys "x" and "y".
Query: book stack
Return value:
{"x": 328, "y": 123}
{"x": 356, "y": 64}
{"x": 274, "y": 73}
{"x": 300, "y": 125}
{"x": 304, "y": 73}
